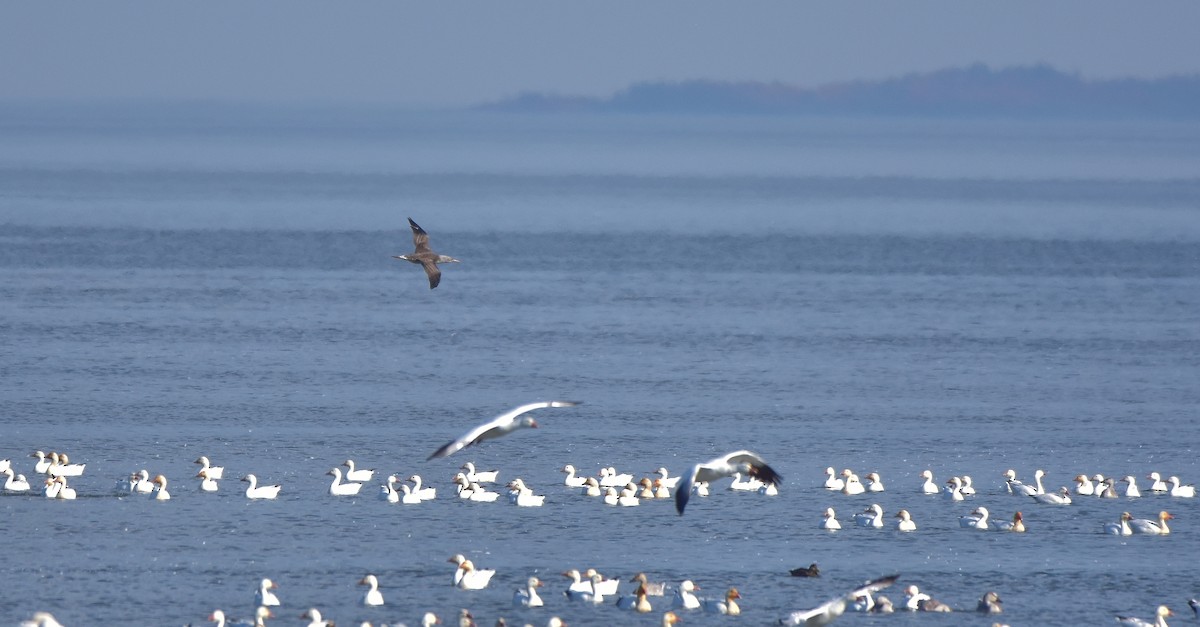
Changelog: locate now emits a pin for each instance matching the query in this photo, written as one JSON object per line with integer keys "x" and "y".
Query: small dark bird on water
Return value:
{"x": 811, "y": 571}
{"x": 424, "y": 256}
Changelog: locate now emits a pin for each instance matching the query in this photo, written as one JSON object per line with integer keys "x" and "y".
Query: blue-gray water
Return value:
{"x": 891, "y": 299}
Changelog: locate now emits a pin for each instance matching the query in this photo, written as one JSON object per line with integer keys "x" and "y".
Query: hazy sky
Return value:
{"x": 448, "y": 53}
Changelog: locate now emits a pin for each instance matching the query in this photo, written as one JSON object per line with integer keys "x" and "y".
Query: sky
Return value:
{"x": 430, "y": 54}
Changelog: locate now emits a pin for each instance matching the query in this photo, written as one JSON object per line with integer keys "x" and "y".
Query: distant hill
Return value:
{"x": 974, "y": 91}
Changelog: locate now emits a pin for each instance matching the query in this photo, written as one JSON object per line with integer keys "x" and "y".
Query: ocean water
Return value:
{"x": 886, "y": 296}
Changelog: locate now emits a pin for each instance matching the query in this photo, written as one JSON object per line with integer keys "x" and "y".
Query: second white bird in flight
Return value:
{"x": 500, "y": 425}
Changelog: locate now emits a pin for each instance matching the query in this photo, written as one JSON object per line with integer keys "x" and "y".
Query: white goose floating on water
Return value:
{"x": 904, "y": 521}
{"x": 207, "y": 482}
{"x": 426, "y": 493}
{"x": 724, "y": 605}
{"x": 42, "y": 464}
{"x": 523, "y": 496}
{"x": 263, "y": 596}
{"x": 315, "y": 619}
{"x": 160, "y": 491}
{"x": 929, "y": 486}
{"x": 573, "y": 481}
{"x": 832, "y": 481}
{"x": 256, "y": 491}
{"x": 212, "y": 472}
{"x": 360, "y": 475}
{"x": 829, "y": 520}
{"x": 870, "y": 517}
{"x": 1181, "y": 491}
{"x": 1131, "y": 488}
{"x": 667, "y": 480}
{"x": 977, "y": 519}
{"x": 501, "y": 425}
{"x": 1152, "y": 527}
{"x": 14, "y": 483}
{"x": 373, "y": 597}
{"x": 1062, "y": 497}
{"x": 61, "y": 466}
{"x": 479, "y": 476}
{"x": 685, "y": 597}
{"x": 610, "y": 478}
{"x": 1120, "y": 527}
{"x": 1156, "y": 485}
{"x": 337, "y": 488}
{"x": 473, "y": 578}
{"x": 260, "y": 616}
{"x": 1160, "y": 619}
{"x": 528, "y": 596}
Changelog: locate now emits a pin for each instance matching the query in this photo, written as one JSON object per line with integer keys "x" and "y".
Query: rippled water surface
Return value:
{"x": 876, "y": 346}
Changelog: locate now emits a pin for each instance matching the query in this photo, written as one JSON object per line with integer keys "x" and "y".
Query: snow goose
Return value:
{"x": 66, "y": 492}
{"x": 1152, "y": 527}
{"x": 528, "y": 596}
{"x": 578, "y": 583}
{"x": 51, "y": 487}
{"x": 408, "y": 497}
{"x": 499, "y": 426}
{"x": 744, "y": 484}
{"x": 478, "y": 476}
{"x": 424, "y": 493}
{"x": 700, "y": 489}
{"x": 954, "y": 489}
{"x": 870, "y": 517}
{"x": 668, "y": 619}
{"x": 654, "y": 589}
{"x": 337, "y": 488}
{"x": 160, "y": 493}
{"x": 476, "y": 493}
{"x": 829, "y": 520}
{"x": 768, "y": 489}
{"x": 373, "y": 596}
{"x": 474, "y": 578}
{"x": 387, "y": 490}
{"x": 724, "y": 466}
{"x": 928, "y": 486}
{"x": 42, "y": 464}
{"x": 853, "y": 485}
{"x": 904, "y": 521}
{"x": 967, "y": 489}
{"x": 1120, "y": 527}
{"x": 874, "y": 482}
{"x": 1106, "y": 488}
{"x": 685, "y": 597}
{"x": 1156, "y": 485}
{"x": 572, "y": 481}
{"x": 143, "y": 485}
{"x": 207, "y": 482}
{"x": 1131, "y": 489}
{"x": 832, "y": 609}
{"x": 256, "y": 491}
{"x": 14, "y": 483}
{"x": 1084, "y": 486}
{"x": 591, "y": 487}
{"x": 989, "y": 603}
{"x": 1028, "y": 490}
{"x": 661, "y": 491}
{"x": 1016, "y": 525}
{"x": 832, "y": 481}
{"x": 358, "y": 475}
{"x": 628, "y": 497}
{"x": 314, "y": 618}
{"x": 667, "y": 480}
{"x": 636, "y": 601}
{"x": 977, "y": 519}
{"x": 263, "y": 596}
{"x": 647, "y": 489}
{"x": 61, "y": 466}
{"x": 1182, "y": 491}
{"x": 807, "y": 571}
{"x": 725, "y": 605}
{"x": 525, "y": 496}
{"x": 260, "y": 616}
{"x": 591, "y": 595}
{"x": 1160, "y": 619}
{"x": 41, "y": 619}
{"x": 614, "y": 478}
{"x": 212, "y": 472}
{"x": 913, "y": 597}
{"x": 1062, "y": 497}
{"x": 607, "y": 587}
{"x": 611, "y": 497}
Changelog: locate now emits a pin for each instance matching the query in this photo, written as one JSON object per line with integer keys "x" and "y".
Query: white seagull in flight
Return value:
{"x": 744, "y": 462}
{"x": 834, "y": 608}
{"x": 500, "y": 425}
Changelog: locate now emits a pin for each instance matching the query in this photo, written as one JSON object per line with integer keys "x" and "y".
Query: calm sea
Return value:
{"x": 890, "y": 296}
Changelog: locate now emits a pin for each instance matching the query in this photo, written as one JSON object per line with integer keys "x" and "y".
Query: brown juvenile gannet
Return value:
{"x": 424, "y": 256}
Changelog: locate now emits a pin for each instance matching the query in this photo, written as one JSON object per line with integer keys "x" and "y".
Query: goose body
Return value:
{"x": 870, "y": 517}
{"x": 373, "y": 597}
{"x": 263, "y": 597}
{"x": 358, "y": 475}
{"x": 1181, "y": 491}
{"x": 1017, "y": 525}
{"x": 337, "y": 488}
{"x": 212, "y": 472}
{"x": 685, "y": 597}
{"x": 725, "y": 605}
{"x": 528, "y": 596}
{"x": 256, "y": 491}
{"x": 572, "y": 481}
{"x": 1152, "y": 527}
{"x": 14, "y": 483}
{"x": 501, "y": 425}
{"x": 977, "y": 519}
{"x": 832, "y": 481}
{"x": 1120, "y": 527}
{"x": 904, "y": 521}
{"x": 829, "y": 520}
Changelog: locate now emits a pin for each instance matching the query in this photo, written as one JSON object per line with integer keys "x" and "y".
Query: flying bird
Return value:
{"x": 500, "y": 425}
{"x": 424, "y": 256}
{"x": 744, "y": 462}
{"x": 827, "y": 613}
